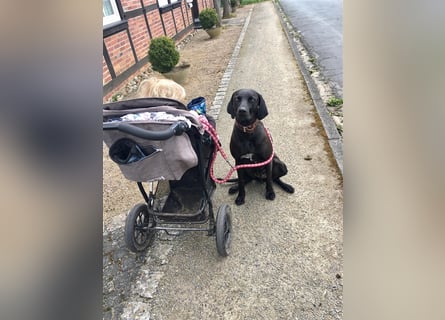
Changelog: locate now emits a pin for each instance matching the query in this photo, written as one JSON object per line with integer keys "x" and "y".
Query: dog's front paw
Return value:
{"x": 270, "y": 195}
{"x": 239, "y": 200}
{"x": 289, "y": 189}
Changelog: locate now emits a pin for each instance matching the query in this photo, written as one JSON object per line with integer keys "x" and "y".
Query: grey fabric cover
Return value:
{"x": 176, "y": 155}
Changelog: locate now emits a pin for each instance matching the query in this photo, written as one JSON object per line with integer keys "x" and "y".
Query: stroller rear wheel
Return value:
{"x": 138, "y": 235}
{"x": 223, "y": 230}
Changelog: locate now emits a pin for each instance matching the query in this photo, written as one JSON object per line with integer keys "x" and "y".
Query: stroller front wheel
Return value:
{"x": 223, "y": 230}
{"x": 138, "y": 235}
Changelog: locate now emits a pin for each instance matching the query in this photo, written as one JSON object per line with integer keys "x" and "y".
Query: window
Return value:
{"x": 166, "y": 3}
{"x": 110, "y": 12}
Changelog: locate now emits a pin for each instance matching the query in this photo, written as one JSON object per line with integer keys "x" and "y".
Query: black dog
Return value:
{"x": 251, "y": 144}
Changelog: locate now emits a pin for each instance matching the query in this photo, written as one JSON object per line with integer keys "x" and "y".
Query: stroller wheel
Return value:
{"x": 138, "y": 236}
{"x": 223, "y": 230}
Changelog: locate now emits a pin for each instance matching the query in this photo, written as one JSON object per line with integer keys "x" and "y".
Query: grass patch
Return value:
{"x": 244, "y": 2}
{"x": 116, "y": 97}
{"x": 334, "y": 102}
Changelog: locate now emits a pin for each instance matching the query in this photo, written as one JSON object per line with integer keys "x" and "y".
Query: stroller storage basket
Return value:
{"x": 150, "y": 160}
{"x": 157, "y": 152}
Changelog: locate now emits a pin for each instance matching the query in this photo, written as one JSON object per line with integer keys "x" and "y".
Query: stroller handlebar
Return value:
{"x": 176, "y": 129}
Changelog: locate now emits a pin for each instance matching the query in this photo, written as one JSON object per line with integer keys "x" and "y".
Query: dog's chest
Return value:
{"x": 242, "y": 145}
{"x": 248, "y": 148}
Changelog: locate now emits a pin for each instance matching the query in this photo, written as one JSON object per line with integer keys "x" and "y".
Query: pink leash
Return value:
{"x": 212, "y": 132}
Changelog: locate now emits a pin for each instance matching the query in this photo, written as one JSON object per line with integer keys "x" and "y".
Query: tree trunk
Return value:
{"x": 237, "y": 4}
{"x": 226, "y": 9}
{"x": 218, "y": 11}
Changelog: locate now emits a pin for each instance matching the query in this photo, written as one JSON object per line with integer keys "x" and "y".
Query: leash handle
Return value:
{"x": 212, "y": 132}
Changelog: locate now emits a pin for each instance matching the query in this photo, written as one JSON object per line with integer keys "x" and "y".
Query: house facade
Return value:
{"x": 129, "y": 26}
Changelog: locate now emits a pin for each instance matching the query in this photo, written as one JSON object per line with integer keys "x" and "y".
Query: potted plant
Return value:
{"x": 164, "y": 58}
{"x": 209, "y": 22}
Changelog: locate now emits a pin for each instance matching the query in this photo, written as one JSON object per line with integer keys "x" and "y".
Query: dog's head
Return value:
{"x": 247, "y": 105}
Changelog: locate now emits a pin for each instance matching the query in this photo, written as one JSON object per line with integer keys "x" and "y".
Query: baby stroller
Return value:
{"x": 159, "y": 142}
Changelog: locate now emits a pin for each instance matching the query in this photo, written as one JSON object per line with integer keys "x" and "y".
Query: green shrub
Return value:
{"x": 334, "y": 102}
{"x": 208, "y": 18}
{"x": 162, "y": 54}
{"x": 245, "y": 2}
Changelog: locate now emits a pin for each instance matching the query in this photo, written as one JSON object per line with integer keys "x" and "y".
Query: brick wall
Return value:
{"x": 129, "y": 5}
{"x": 120, "y": 51}
{"x": 127, "y": 47}
{"x": 140, "y": 36}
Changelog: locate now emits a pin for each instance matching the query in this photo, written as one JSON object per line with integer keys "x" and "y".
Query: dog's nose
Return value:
{"x": 242, "y": 111}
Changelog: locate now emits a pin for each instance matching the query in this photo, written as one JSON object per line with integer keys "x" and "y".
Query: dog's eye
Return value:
{"x": 252, "y": 99}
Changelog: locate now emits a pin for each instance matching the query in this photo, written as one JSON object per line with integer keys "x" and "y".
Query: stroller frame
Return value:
{"x": 174, "y": 205}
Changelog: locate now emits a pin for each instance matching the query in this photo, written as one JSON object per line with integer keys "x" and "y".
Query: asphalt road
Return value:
{"x": 320, "y": 25}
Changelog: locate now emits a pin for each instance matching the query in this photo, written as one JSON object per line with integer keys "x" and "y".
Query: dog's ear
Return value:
{"x": 230, "y": 108}
{"x": 262, "y": 109}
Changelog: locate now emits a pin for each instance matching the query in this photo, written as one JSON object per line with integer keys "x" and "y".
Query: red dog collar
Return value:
{"x": 249, "y": 128}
